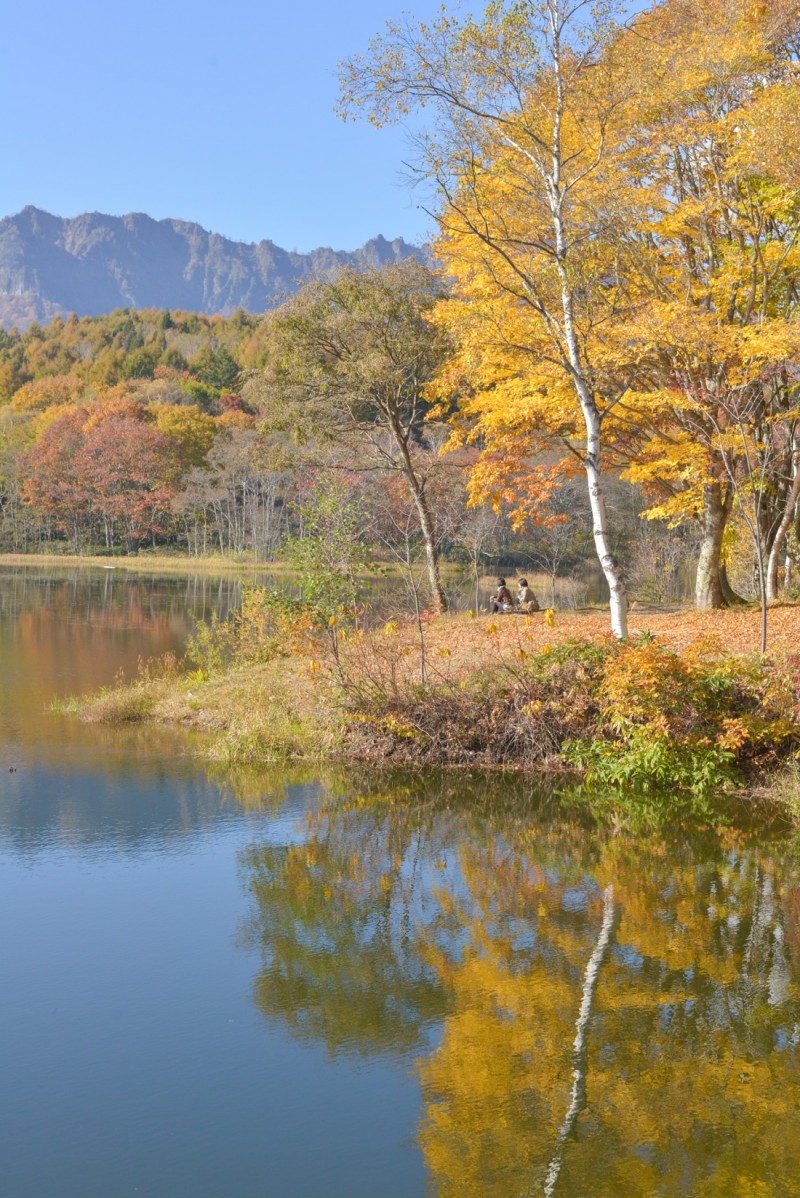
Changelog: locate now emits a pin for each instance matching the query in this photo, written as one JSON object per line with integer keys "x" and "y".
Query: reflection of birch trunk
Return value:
{"x": 756, "y": 946}
{"x": 580, "y": 1045}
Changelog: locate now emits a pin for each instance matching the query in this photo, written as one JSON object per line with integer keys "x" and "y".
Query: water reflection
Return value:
{"x": 67, "y": 631}
{"x": 443, "y": 929}
{"x": 418, "y": 950}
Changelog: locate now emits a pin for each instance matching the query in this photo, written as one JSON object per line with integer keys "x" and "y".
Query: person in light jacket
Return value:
{"x": 526, "y": 600}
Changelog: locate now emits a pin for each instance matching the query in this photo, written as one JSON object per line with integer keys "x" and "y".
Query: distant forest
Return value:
{"x": 130, "y": 428}
{"x": 152, "y": 429}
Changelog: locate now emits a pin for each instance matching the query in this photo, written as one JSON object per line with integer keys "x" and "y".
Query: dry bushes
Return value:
{"x": 512, "y": 712}
{"x": 631, "y": 716}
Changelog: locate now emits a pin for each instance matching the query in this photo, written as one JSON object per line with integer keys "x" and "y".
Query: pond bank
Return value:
{"x": 144, "y": 563}
{"x": 682, "y": 710}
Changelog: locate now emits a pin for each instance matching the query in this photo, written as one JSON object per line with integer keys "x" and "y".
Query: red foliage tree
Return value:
{"x": 51, "y": 479}
{"x": 127, "y": 467}
{"x": 108, "y": 468}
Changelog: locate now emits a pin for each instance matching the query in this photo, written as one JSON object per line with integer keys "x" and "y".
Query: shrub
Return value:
{"x": 691, "y": 721}
{"x": 634, "y": 716}
{"x": 518, "y": 714}
{"x": 263, "y": 628}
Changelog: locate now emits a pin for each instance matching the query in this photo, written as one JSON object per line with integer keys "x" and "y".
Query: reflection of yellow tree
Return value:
{"x": 691, "y": 1054}
{"x": 499, "y": 1084}
{"x": 387, "y": 919}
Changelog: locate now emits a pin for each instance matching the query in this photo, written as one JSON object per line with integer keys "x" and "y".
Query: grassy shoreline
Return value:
{"x": 144, "y": 563}
{"x": 684, "y": 710}
{"x": 184, "y": 564}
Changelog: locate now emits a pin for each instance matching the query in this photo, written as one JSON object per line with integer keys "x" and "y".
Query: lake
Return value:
{"x": 317, "y": 983}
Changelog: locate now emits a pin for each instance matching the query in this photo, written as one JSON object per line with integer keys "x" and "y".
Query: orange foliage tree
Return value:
{"x": 105, "y": 465}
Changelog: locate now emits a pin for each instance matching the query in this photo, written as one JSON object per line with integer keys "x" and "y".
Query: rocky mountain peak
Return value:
{"x": 90, "y": 264}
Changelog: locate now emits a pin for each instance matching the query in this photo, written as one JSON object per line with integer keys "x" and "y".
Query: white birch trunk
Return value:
{"x": 784, "y": 526}
{"x": 618, "y": 599}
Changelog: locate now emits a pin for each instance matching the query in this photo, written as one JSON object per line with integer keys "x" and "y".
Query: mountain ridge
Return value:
{"x": 92, "y": 263}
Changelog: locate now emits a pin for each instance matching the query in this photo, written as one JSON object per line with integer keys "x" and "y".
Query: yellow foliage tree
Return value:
{"x": 619, "y": 212}
{"x": 531, "y": 108}
{"x": 716, "y": 260}
{"x": 192, "y": 430}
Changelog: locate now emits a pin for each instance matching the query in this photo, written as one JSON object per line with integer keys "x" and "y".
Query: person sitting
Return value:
{"x": 526, "y": 600}
{"x": 501, "y": 602}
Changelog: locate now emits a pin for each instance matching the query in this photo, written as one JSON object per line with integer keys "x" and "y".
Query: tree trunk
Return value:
{"x": 431, "y": 556}
{"x": 426, "y": 527}
{"x": 618, "y": 599}
{"x": 729, "y": 596}
{"x": 708, "y": 585}
{"x": 784, "y": 526}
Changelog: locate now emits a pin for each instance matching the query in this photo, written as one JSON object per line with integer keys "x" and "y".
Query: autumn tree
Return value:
{"x": 715, "y": 261}
{"x": 51, "y": 478}
{"x": 105, "y": 464}
{"x": 529, "y": 116}
{"x": 126, "y": 467}
{"x": 192, "y": 431}
{"x": 46, "y": 392}
{"x": 19, "y": 526}
{"x": 347, "y": 364}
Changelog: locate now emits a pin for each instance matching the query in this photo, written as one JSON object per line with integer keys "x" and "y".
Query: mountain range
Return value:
{"x": 90, "y": 264}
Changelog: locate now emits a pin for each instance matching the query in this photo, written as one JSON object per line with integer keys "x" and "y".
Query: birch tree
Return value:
{"x": 526, "y": 115}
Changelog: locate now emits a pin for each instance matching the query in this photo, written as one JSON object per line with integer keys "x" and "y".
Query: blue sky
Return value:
{"x": 217, "y": 113}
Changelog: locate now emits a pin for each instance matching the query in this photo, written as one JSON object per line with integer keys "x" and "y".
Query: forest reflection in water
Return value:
{"x": 429, "y": 935}
{"x": 419, "y": 920}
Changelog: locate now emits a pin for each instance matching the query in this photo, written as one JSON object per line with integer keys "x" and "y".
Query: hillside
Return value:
{"x": 92, "y": 264}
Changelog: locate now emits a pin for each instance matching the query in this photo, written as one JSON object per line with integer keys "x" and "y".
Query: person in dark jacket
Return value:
{"x": 501, "y": 602}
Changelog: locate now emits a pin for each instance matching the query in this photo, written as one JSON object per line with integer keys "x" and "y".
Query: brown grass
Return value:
{"x": 255, "y": 713}
{"x": 475, "y": 643}
{"x": 145, "y": 563}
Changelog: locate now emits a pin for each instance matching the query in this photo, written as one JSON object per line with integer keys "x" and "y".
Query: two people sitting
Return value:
{"x": 502, "y": 603}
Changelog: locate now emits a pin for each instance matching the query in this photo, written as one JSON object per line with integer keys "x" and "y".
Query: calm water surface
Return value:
{"x": 314, "y": 985}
